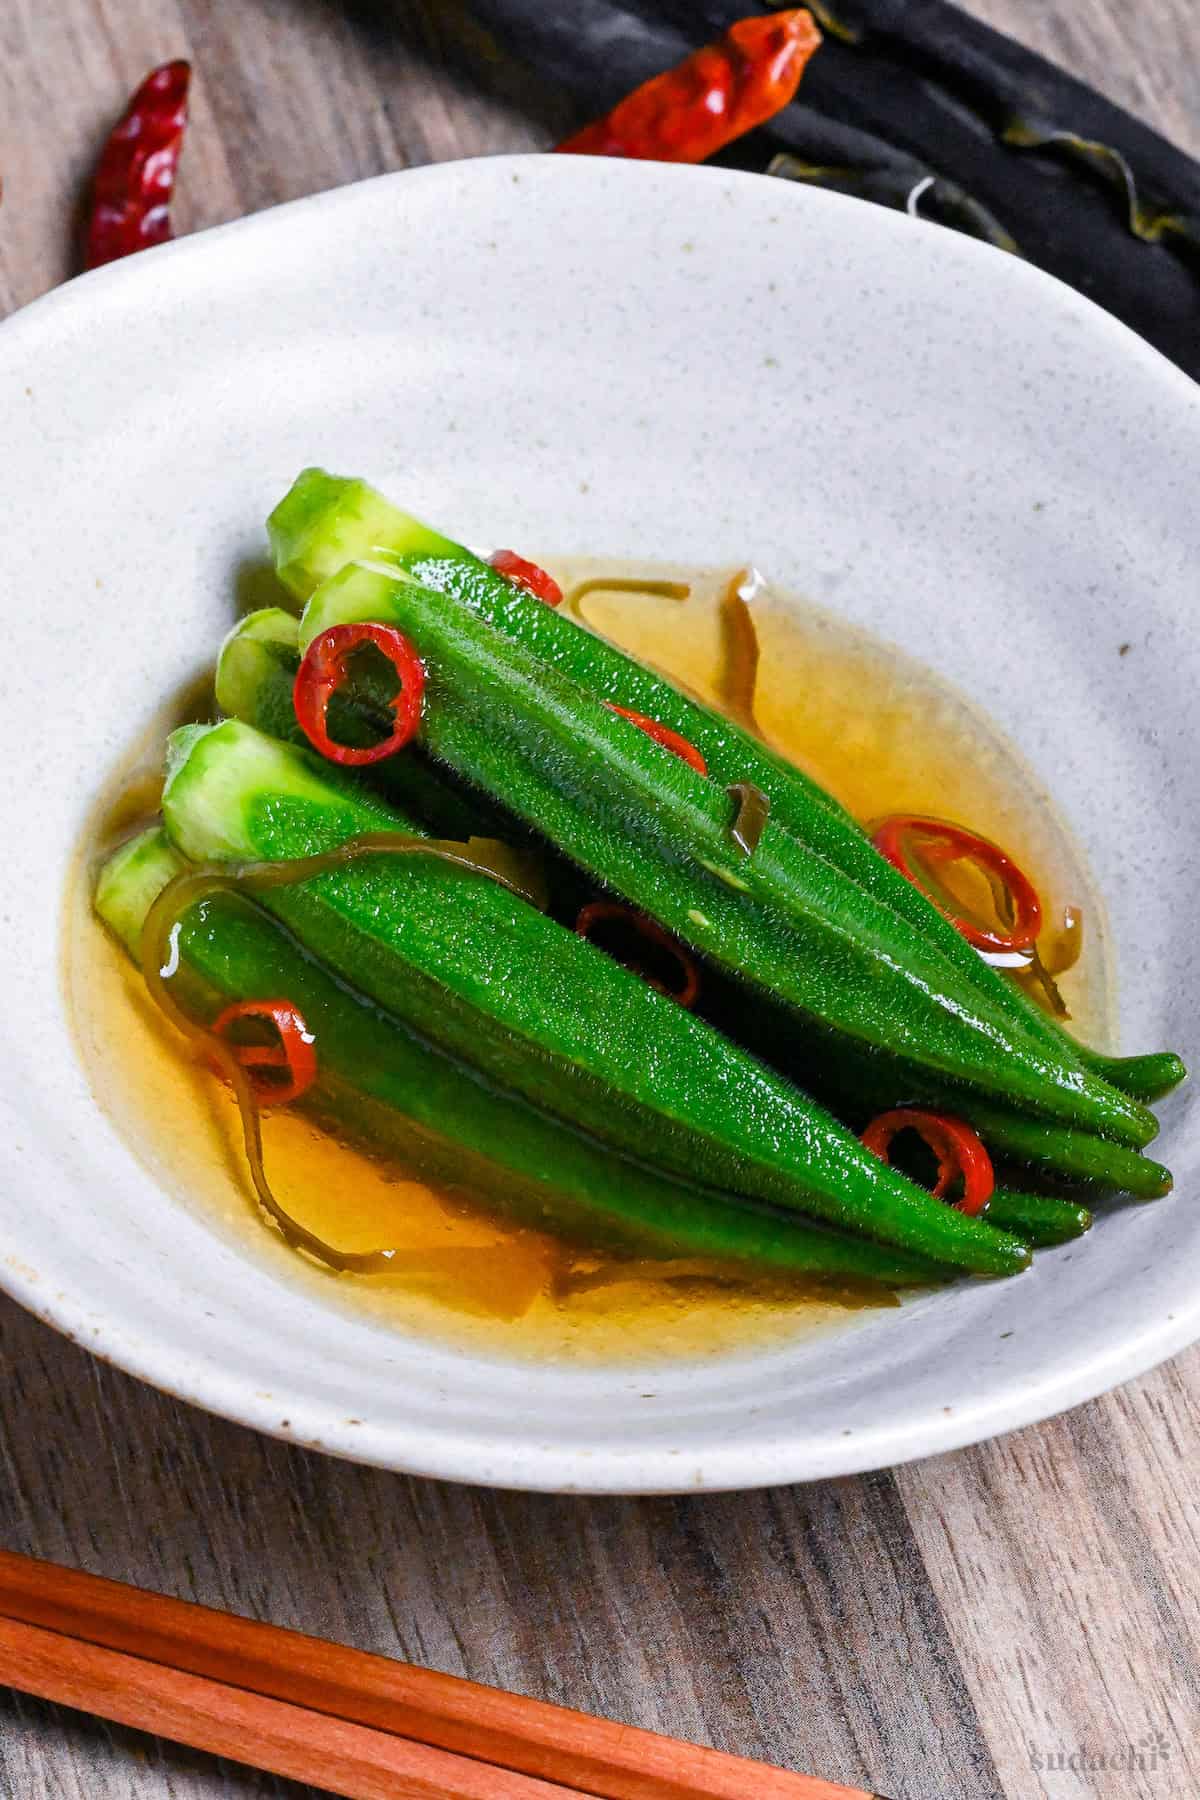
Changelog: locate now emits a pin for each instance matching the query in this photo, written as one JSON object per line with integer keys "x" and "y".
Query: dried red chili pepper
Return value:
{"x": 959, "y": 1151}
{"x": 717, "y": 94}
{"x": 131, "y": 190}
{"x": 326, "y": 666}
{"x": 600, "y": 911}
{"x": 528, "y": 575}
{"x": 294, "y": 1055}
{"x": 662, "y": 734}
{"x": 942, "y": 842}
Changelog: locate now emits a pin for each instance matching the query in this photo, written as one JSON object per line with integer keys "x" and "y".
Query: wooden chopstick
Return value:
{"x": 269, "y": 1734}
{"x": 183, "y": 1670}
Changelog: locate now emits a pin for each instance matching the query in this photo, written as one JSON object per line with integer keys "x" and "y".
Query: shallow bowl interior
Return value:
{"x": 922, "y": 433}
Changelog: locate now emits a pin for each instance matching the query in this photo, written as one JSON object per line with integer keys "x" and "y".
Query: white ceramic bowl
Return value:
{"x": 944, "y": 444}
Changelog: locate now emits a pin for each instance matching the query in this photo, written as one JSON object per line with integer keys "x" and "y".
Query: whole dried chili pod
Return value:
{"x": 715, "y": 95}
{"x": 131, "y": 191}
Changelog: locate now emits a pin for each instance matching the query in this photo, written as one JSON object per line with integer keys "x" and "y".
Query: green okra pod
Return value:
{"x": 1041, "y": 1220}
{"x": 256, "y": 673}
{"x": 648, "y": 826}
{"x": 537, "y": 1009}
{"x": 386, "y": 1088}
{"x": 255, "y": 676}
{"x": 855, "y": 1083}
{"x": 326, "y": 521}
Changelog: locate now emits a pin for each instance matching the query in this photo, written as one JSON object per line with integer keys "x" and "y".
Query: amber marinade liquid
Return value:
{"x": 872, "y": 725}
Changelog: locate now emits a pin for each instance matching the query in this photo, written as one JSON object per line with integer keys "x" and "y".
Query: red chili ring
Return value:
{"x": 294, "y": 1052}
{"x": 528, "y": 575}
{"x": 959, "y": 1150}
{"x": 323, "y": 671}
{"x": 960, "y": 844}
{"x": 653, "y": 932}
{"x": 662, "y": 734}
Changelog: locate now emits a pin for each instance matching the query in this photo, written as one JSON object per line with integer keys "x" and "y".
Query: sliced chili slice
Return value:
{"x": 662, "y": 734}
{"x": 960, "y": 1152}
{"x": 528, "y": 575}
{"x": 326, "y": 667}
{"x": 939, "y": 841}
{"x": 293, "y": 1054}
{"x": 604, "y": 911}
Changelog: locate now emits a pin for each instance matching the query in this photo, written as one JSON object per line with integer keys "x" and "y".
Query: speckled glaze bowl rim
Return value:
{"x": 534, "y": 1463}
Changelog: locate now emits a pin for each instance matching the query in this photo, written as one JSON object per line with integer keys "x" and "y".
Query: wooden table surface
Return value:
{"x": 950, "y": 1629}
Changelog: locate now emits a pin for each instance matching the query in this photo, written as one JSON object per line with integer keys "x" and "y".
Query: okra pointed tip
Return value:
{"x": 1008, "y": 1254}
{"x": 1165, "y": 1182}
{"x": 1145, "y": 1078}
{"x": 1039, "y": 1219}
{"x": 1082, "y": 1220}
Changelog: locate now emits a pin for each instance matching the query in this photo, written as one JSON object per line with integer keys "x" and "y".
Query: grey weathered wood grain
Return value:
{"x": 935, "y": 1633}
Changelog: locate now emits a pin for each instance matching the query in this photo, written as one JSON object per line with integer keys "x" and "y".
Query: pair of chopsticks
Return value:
{"x": 352, "y": 1723}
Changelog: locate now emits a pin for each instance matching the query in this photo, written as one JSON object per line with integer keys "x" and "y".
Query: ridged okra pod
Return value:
{"x": 537, "y": 1009}
{"x": 387, "y": 1089}
{"x": 326, "y": 521}
{"x": 255, "y": 676}
{"x": 649, "y": 827}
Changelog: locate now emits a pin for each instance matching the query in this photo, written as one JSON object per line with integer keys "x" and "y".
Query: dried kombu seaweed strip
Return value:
{"x": 597, "y": 49}
{"x": 905, "y": 186}
{"x": 1147, "y": 220}
{"x": 1033, "y": 106}
{"x": 1016, "y": 83}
